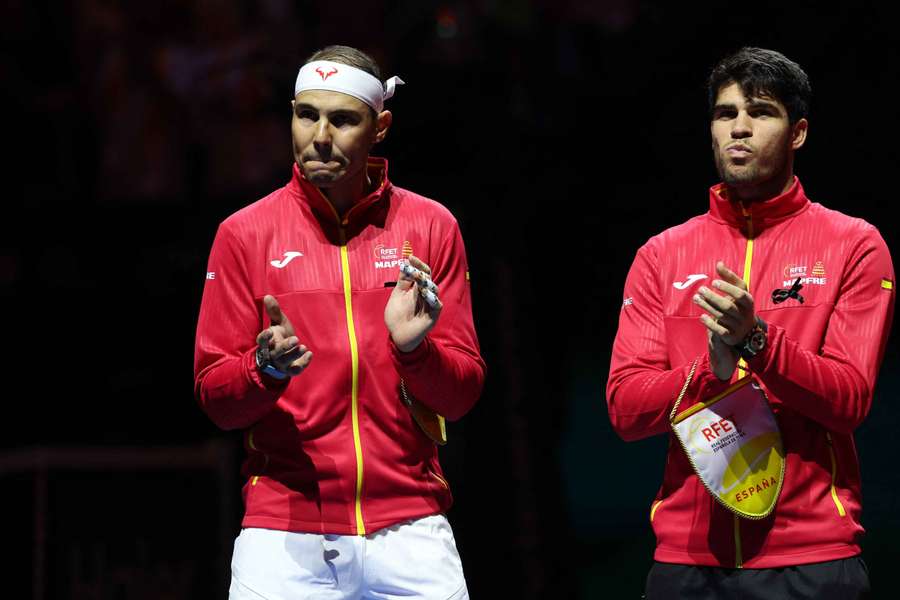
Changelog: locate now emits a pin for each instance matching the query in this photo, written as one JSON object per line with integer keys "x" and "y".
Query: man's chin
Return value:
{"x": 322, "y": 178}
{"x": 740, "y": 177}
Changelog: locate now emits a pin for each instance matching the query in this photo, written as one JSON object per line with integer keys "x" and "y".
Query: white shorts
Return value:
{"x": 413, "y": 559}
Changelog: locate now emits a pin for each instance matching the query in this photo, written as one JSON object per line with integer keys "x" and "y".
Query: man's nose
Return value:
{"x": 323, "y": 134}
{"x": 743, "y": 126}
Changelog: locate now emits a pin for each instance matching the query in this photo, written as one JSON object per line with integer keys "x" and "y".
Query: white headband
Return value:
{"x": 338, "y": 77}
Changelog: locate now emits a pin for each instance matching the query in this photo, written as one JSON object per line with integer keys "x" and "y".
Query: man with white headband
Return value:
{"x": 344, "y": 496}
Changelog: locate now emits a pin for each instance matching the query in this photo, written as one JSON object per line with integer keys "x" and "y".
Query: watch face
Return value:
{"x": 262, "y": 358}
{"x": 758, "y": 341}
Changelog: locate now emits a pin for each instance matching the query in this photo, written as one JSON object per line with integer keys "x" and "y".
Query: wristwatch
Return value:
{"x": 265, "y": 365}
{"x": 755, "y": 342}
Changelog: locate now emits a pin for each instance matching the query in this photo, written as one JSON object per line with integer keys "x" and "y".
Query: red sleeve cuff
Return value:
{"x": 412, "y": 357}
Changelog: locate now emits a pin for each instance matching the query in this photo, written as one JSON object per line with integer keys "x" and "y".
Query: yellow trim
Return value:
{"x": 701, "y": 405}
{"x": 354, "y": 393}
{"x": 742, "y": 374}
{"x": 834, "y": 496}
{"x": 748, "y": 261}
{"x": 653, "y": 509}
{"x": 254, "y": 480}
{"x": 442, "y": 481}
{"x": 887, "y": 284}
{"x": 748, "y": 258}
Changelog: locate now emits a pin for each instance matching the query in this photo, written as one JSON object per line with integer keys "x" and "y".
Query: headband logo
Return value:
{"x": 325, "y": 75}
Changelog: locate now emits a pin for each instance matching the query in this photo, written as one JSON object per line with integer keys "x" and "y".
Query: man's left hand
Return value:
{"x": 731, "y": 317}
{"x": 731, "y": 312}
{"x": 407, "y": 315}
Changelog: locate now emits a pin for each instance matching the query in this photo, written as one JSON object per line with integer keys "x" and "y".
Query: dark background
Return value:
{"x": 561, "y": 134}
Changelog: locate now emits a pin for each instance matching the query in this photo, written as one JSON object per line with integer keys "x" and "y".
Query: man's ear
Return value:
{"x": 382, "y": 124}
{"x": 798, "y": 133}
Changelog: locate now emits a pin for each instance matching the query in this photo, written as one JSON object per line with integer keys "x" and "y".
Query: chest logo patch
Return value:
{"x": 391, "y": 258}
{"x": 807, "y": 276}
{"x": 288, "y": 257}
{"x": 691, "y": 280}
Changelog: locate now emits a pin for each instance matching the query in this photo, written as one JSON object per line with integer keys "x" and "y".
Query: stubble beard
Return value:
{"x": 320, "y": 178}
{"x": 742, "y": 176}
{"x": 739, "y": 178}
{"x": 736, "y": 175}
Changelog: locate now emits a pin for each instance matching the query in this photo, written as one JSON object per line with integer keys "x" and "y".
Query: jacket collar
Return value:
{"x": 761, "y": 214}
{"x": 369, "y": 210}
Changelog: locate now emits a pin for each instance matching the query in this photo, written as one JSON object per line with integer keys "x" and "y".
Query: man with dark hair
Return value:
{"x": 754, "y": 334}
{"x": 344, "y": 496}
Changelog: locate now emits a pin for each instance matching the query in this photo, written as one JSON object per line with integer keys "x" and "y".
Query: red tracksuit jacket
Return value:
{"x": 335, "y": 450}
{"x": 818, "y": 371}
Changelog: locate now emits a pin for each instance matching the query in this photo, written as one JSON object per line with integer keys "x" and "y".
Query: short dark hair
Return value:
{"x": 348, "y": 56}
{"x": 761, "y": 72}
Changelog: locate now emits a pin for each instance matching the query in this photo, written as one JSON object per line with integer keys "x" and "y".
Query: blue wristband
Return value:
{"x": 264, "y": 366}
{"x": 273, "y": 372}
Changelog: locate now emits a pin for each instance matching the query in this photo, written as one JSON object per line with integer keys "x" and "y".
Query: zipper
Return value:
{"x": 743, "y": 371}
{"x": 834, "y": 496}
{"x": 748, "y": 261}
{"x": 354, "y": 390}
{"x": 748, "y": 255}
{"x": 354, "y": 362}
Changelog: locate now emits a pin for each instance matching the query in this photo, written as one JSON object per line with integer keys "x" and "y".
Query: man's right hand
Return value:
{"x": 283, "y": 347}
